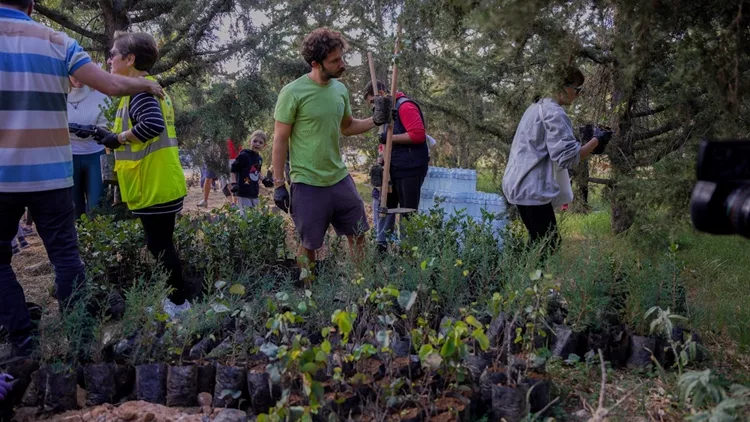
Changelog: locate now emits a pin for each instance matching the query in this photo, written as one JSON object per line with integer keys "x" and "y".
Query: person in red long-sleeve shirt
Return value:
{"x": 410, "y": 154}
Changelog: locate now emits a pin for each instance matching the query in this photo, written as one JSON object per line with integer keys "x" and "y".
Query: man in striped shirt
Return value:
{"x": 36, "y": 166}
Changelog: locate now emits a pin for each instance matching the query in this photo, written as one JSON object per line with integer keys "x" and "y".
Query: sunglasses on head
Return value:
{"x": 578, "y": 89}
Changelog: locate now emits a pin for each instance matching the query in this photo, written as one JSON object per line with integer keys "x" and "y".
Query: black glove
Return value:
{"x": 281, "y": 198}
{"x": 106, "y": 138}
{"x": 382, "y": 111}
{"x": 81, "y": 131}
{"x": 376, "y": 175}
{"x": 603, "y": 135}
{"x": 267, "y": 182}
{"x": 383, "y": 137}
{"x": 234, "y": 188}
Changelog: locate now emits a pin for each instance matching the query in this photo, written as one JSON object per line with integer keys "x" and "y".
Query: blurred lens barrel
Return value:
{"x": 720, "y": 203}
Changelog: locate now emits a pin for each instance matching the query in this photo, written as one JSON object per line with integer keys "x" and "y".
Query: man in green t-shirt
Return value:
{"x": 310, "y": 113}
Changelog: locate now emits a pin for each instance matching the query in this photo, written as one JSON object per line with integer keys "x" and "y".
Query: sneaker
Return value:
{"x": 174, "y": 311}
{"x": 203, "y": 203}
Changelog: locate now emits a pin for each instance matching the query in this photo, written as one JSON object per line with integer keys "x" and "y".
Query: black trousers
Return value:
{"x": 541, "y": 223}
{"x": 159, "y": 229}
{"x": 406, "y": 192}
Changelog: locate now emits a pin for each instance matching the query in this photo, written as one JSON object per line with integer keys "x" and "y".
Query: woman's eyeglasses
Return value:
{"x": 578, "y": 89}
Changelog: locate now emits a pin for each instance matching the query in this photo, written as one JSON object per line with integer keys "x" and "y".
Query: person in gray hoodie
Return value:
{"x": 544, "y": 142}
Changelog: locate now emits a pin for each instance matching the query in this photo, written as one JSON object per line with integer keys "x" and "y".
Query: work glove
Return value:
{"x": 267, "y": 181}
{"x": 6, "y": 385}
{"x": 281, "y": 198}
{"x": 376, "y": 175}
{"x": 234, "y": 188}
{"x": 586, "y": 132}
{"x": 383, "y": 137}
{"x": 382, "y": 110}
{"x": 81, "y": 131}
{"x": 106, "y": 138}
{"x": 603, "y": 135}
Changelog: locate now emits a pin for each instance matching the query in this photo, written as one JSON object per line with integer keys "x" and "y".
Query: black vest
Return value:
{"x": 408, "y": 159}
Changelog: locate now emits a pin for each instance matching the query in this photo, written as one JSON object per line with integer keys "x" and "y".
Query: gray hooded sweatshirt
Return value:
{"x": 545, "y": 134}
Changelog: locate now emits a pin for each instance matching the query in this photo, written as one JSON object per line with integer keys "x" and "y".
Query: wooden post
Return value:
{"x": 374, "y": 79}
{"x": 385, "y": 189}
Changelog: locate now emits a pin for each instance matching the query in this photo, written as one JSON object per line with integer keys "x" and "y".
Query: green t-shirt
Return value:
{"x": 315, "y": 113}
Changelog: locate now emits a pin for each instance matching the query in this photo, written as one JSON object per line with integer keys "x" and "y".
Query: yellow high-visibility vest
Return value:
{"x": 149, "y": 173}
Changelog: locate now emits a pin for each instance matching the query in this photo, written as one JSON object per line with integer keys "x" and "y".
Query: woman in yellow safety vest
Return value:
{"x": 147, "y": 163}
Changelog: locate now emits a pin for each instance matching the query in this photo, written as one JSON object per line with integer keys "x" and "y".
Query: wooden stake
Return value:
{"x": 374, "y": 79}
{"x": 389, "y": 135}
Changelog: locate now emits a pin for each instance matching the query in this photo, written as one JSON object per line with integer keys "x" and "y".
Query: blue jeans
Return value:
{"x": 383, "y": 225}
{"x": 55, "y": 222}
{"x": 87, "y": 182}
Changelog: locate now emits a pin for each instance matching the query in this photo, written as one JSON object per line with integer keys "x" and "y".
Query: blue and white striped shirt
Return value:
{"x": 35, "y": 62}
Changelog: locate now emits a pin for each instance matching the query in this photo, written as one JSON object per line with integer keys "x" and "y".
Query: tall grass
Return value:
{"x": 716, "y": 275}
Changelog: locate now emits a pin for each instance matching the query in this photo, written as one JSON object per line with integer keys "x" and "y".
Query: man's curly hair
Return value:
{"x": 320, "y": 43}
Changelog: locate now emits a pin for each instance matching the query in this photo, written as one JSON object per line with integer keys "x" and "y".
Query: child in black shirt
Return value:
{"x": 246, "y": 173}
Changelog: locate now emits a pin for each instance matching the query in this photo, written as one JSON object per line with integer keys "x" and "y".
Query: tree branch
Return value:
{"x": 150, "y": 14}
{"x": 68, "y": 23}
{"x": 653, "y": 133}
{"x": 596, "y": 55}
{"x": 651, "y": 112}
{"x": 451, "y": 112}
{"x": 598, "y": 181}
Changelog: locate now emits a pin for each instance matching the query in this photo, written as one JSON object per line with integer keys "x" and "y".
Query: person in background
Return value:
{"x": 410, "y": 155}
{"x": 545, "y": 137}
{"x": 19, "y": 242}
{"x": 310, "y": 115}
{"x": 147, "y": 162}
{"x": 36, "y": 165}
{"x": 86, "y": 107}
{"x": 246, "y": 173}
{"x": 384, "y": 224}
{"x": 208, "y": 178}
{"x": 232, "y": 151}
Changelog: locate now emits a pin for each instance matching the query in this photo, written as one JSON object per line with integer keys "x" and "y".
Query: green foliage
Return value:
{"x": 112, "y": 250}
{"x": 702, "y": 389}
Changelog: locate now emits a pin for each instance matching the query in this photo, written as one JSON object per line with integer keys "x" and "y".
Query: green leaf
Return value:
{"x": 423, "y": 265}
{"x": 481, "y": 338}
{"x": 309, "y": 367}
{"x": 326, "y": 346}
{"x": 535, "y": 275}
{"x": 282, "y": 296}
{"x": 449, "y": 348}
{"x": 220, "y": 284}
{"x": 473, "y": 322}
{"x": 302, "y": 307}
{"x": 424, "y": 351}
{"x": 407, "y": 299}
{"x": 383, "y": 339}
{"x": 219, "y": 308}
{"x": 269, "y": 349}
{"x": 321, "y": 356}
{"x": 237, "y": 289}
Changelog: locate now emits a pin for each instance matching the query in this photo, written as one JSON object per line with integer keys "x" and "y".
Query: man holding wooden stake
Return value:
{"x": 310, "y": 113}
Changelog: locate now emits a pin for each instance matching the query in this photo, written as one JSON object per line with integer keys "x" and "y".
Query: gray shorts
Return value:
{"x": 314, "y": 208}
{"x": 247, "y": 203}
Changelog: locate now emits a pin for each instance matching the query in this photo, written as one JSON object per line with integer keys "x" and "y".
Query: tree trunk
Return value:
{"x": 580, "y": 178}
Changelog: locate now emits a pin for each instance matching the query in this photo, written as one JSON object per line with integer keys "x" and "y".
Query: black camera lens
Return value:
{"x": 721, "y": 208}
{"x": 738, "y": 210}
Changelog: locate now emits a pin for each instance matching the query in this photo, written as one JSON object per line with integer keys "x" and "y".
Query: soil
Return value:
{"x": 449, "y": 404}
